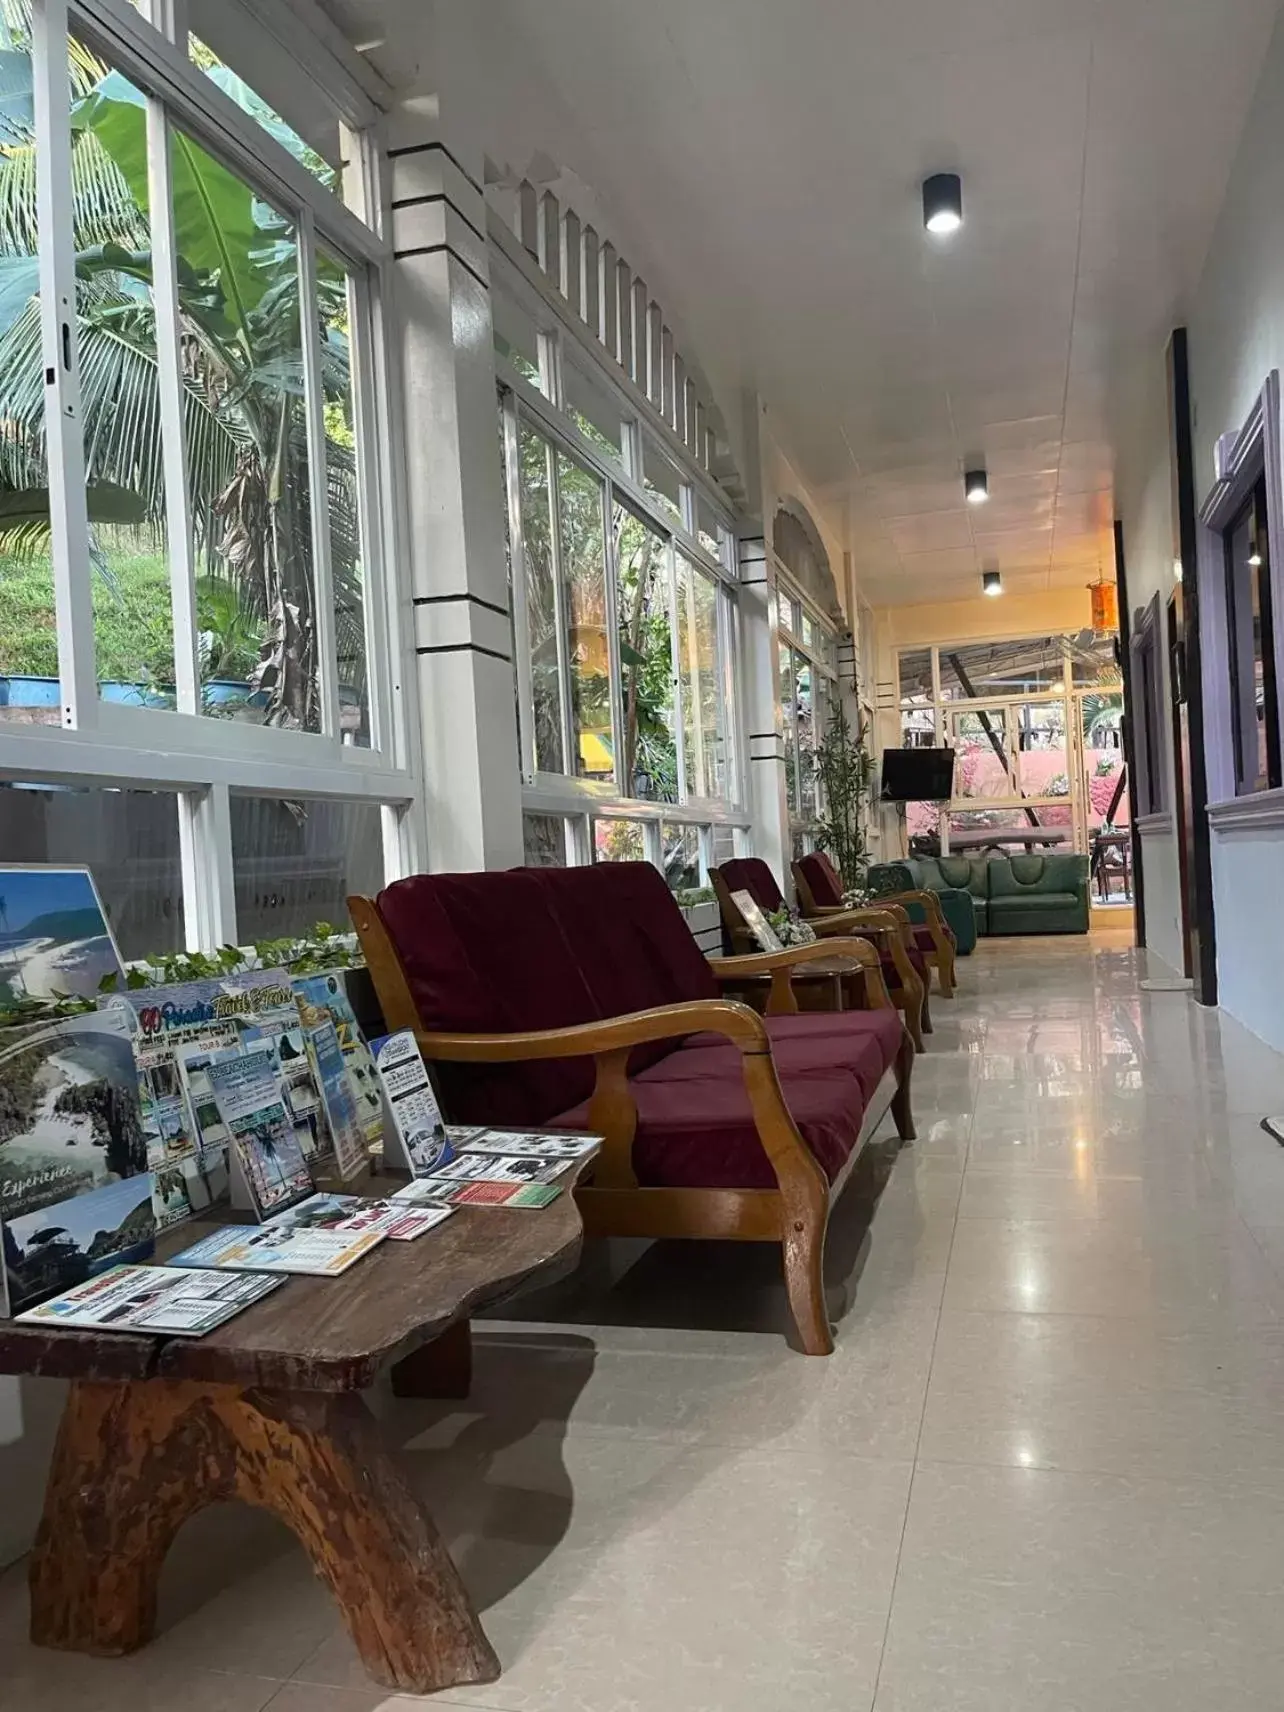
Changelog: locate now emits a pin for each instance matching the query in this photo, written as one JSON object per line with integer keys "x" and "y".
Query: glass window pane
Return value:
{"x": 1043, "y": 766}
{"x": 1002, "y": 668}
{"x": 619, "y": 841}
{"x": 680, "y": 846}
{"x": 297, "y": 862}
{"x": 918, "y": 728}
{"x": 516, "y": 334}
{"x": 789, "y": 713}
{"x": 806, "y": 727}
{"x": 661, "y": 479}
{"x": 339, "y": 307}
{"x": 535, "y": 456}
{"x": 321, "y": 151}
{"x": 983, "y": 765}
{"x": 593, "y": 409}
{"x": 923, "y": 827}
{"x": 699, "y": 681}
{"x": 724, "y": 845}
{"x": 915, "y": 668}
{"x": 646, "y": 658}
{"x": 584, "y": 576}
{"x": 247, "y": 446}
{"x": 544, "y": 840}
{"x": 710, "y": 529}
{"x": 1011, "y": 829}
{"x": 129, "y": 841}
{"x": 1101, "y": 719}
{"x": 1093, "y": 663}
{"x": 30, "y": 691}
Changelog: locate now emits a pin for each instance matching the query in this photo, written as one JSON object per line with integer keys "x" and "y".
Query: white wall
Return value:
{"x": 1236, "y": 334}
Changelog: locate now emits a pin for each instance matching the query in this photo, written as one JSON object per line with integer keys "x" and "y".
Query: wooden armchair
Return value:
{"x": 820, "y": 894}
{"x": 657, "y": 1083}
{"x": 886, "y": 929}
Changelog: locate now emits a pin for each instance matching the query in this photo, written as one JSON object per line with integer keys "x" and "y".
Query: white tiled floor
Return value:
{"x": 1043, "y": 1472}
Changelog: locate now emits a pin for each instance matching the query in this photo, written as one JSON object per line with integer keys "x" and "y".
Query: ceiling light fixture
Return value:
{"x": 943, "y": 203}
{"x": 991, "y": 582}
{"x": 976, "y": 485}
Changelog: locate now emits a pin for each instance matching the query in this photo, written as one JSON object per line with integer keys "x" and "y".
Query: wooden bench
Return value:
{"x": 268, "y": 1410}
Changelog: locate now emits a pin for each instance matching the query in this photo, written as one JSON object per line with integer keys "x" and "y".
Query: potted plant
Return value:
{"x": 845, "y": 775}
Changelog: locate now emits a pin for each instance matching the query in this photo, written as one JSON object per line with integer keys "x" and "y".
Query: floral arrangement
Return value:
{"x": 790, "y": 928}
{"x": 855, "y": 897}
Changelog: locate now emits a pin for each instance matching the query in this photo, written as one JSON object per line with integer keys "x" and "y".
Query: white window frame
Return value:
{"x": 820, "y": 653}
{"x": 202, "y": 759}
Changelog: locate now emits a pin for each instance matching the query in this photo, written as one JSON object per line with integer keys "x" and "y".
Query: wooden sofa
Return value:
{"x": 887, "y": 929}
{"x": 577, "y": 999}
{"x": 820, "y": 893}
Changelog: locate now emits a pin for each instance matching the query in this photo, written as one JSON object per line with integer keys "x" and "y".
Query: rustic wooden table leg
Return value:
{"x": 134, "y": 1461}
{"x": 442, "y": 1368}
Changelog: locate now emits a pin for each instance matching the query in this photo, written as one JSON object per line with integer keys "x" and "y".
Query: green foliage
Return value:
{"x": 690, "y": 896}
{"x": 133, "y": 621}
{"x": 845, "y": 773}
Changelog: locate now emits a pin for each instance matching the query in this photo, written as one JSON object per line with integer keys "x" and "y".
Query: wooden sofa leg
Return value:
{"x": 927, "y": 1010}
{"x": 902, "y": 1113}
{"x": 945, "y": 970}
{"x": 910, "y": 1003}
{"x": 804, "y": 1257}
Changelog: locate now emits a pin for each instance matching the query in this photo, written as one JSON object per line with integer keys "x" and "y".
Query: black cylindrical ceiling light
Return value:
{"x": 943, "y": 203}
{"x": 976, "y": 485}
{"x": 991, "y": 582}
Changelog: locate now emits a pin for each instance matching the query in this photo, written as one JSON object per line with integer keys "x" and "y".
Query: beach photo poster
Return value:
{"x": 54, "y": 938}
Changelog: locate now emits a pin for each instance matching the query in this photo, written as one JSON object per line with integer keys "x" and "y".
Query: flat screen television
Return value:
{"x": 918, "y": 775}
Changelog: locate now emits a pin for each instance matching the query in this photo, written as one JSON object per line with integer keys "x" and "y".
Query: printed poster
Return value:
{"x": 328, "y": 992}
{"x": 54, "y": 937}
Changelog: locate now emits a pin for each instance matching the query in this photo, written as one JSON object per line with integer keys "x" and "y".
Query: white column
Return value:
{"x": 461, "y": 627}
{"x": 763, "y": 724}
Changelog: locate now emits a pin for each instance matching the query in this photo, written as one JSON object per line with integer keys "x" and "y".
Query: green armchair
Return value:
{"x": 959, "y": 904}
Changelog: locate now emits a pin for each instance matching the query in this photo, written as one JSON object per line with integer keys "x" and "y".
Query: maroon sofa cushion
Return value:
{"x": 751, "y": 874}
{"x": 823, "y": 878}
{"x": 923, "y": 940}
{"x": 862, "y": 1043}
{"x": 483, "y": 954}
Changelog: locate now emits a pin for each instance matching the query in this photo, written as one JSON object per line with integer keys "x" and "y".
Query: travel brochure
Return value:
{"x": 155, "y": 1299}
{"x": 566, "y": 1145}
{"x": 417, "y": 1140}
{"x": 757, "y": 923}
{"x": 440, "y": 1192}
{"x": 265, "y": 1149}
{"x": 327, "y": 994}
{"x": 330, "y": 1071}
{"x": 306, "y": 1249}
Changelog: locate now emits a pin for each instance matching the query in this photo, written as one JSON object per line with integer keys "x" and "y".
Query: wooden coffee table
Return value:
{"x": 268, "y": 1410}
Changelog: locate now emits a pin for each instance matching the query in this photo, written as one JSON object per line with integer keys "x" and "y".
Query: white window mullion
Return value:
{"x": 615, "y": 661}
{"x": 64, "y": 439}
{"x": 205, "y": 851}
{"x": 372, "y": 539}
{"x": 178, "y": 515}
{"x": 318, "y": 480}
{"x": 517, "y": 593}
{"x": 675, "y": 650}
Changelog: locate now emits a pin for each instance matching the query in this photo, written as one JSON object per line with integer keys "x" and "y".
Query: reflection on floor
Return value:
{"x": 1044, "y": 1471}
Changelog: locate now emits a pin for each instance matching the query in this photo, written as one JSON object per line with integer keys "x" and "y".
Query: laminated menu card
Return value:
{"x": 157, "y": 1299}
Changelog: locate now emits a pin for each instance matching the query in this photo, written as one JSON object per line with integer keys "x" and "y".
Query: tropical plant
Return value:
{"x": 845, "y": 773}
{"x": 241, "y": 356}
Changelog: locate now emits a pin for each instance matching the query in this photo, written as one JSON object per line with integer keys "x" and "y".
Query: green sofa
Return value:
{"x": 1006, "y": 894}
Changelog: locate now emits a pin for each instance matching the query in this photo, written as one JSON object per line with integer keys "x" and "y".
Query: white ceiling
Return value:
{"x": 768, "y": 158}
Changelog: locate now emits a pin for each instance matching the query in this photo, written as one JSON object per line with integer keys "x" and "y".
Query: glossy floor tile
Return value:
{"x": 1043, "y": 1470}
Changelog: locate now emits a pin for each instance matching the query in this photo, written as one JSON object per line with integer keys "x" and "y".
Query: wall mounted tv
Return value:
{"x": 918, "y": 775}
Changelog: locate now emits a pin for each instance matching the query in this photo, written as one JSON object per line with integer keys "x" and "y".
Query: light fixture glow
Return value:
{"x": 1177, "y": 571}
{"x": 943, "y": 203}
{"x": 1059, "y": 687}
{"x": 1255, "y": 558}
{"x": 976, "y": 485}
{"x": 991, "y": 582}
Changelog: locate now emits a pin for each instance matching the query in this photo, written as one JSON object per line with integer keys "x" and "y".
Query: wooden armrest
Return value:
{"x": 742, "y": 1026}
{"x": 764, "y": 962}
{"x": 880, "y": 919}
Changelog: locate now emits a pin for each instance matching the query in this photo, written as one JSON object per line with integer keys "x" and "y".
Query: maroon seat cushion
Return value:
{"x": 892, "y": 975}
{"x": 823, "y": 878}
{"x": 751, "y": 874}
{"x": 923, "y": 940}
{"x": 862, "y": 1043}
{"x": 699, "y": 1133}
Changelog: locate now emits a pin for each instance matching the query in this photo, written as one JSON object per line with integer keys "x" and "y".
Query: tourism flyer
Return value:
{"x": 153, "y": 1299}
{"x": 351, "y": 1150}
{"x": 565, "y": 1145}
{"x": 420, "y": 1144}
{"x": 352, "y": 1214}
{"x": 318, "y": 1252}
{"x": 327, "y": 992}
{"x": 497, "y": 1168}
{"x": 264, "y": 1143}
{"x": 75, "y": 1189}
{"x": 757, "y": 923}
{"x": 439, "y": 1191}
